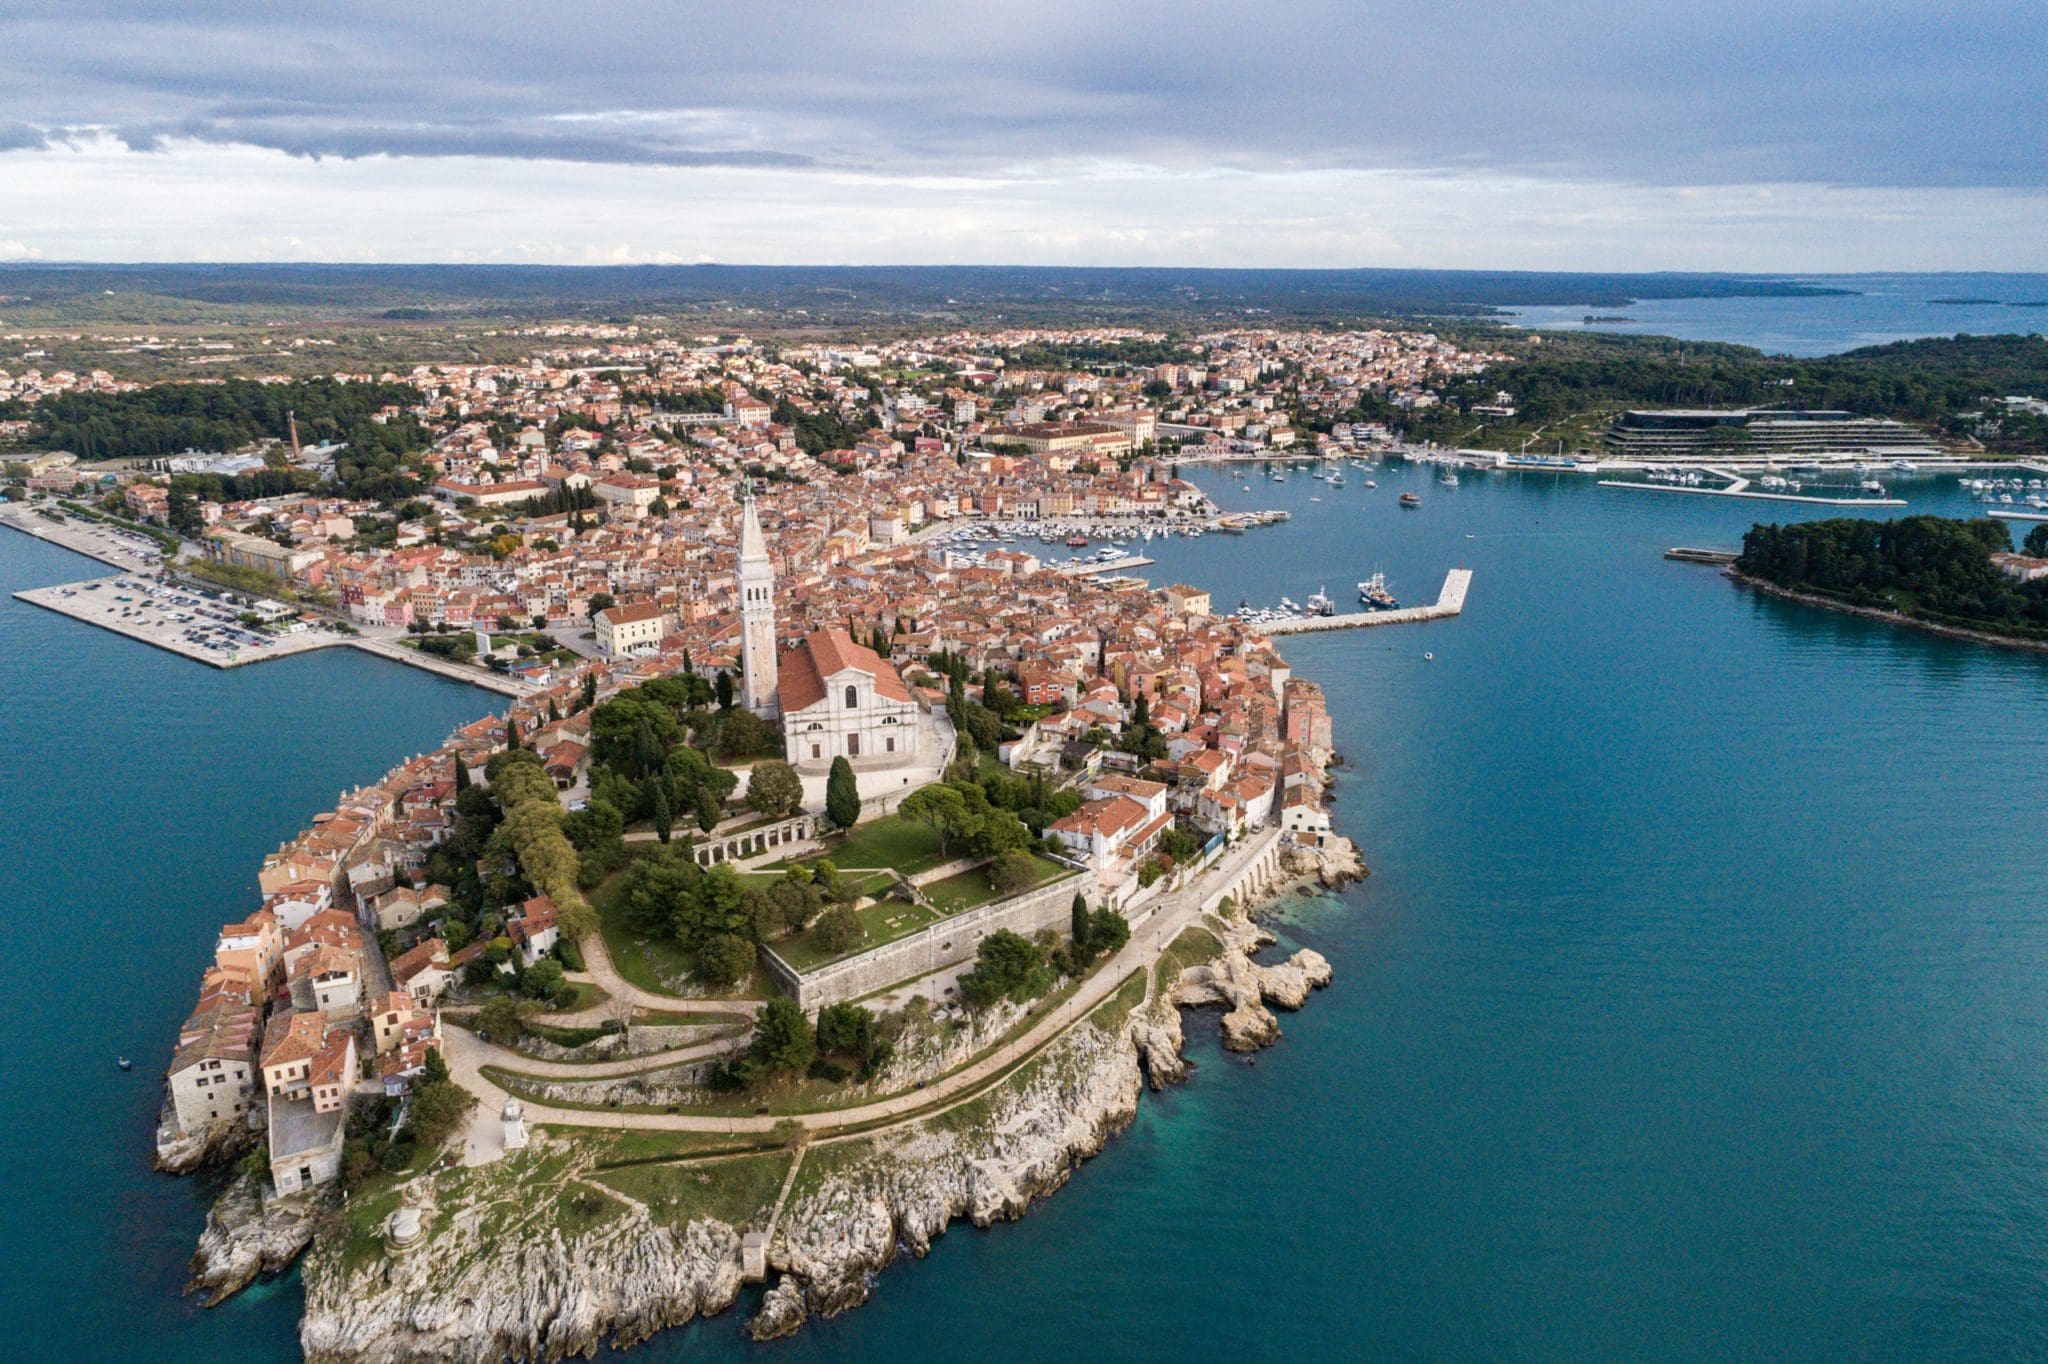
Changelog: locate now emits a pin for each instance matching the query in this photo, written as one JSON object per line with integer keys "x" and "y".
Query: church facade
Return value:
{"x": 843, "y": 700}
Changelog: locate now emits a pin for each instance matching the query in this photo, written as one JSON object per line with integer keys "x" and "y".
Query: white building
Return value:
{"x": 635, "y": 629}
{"x": 842, "y": 700}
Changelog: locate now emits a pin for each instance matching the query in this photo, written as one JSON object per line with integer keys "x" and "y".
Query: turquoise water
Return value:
{"x": 139, "y": 793}
{"x": 1697, "y": 1007}
{"x": 1878, "y": 308}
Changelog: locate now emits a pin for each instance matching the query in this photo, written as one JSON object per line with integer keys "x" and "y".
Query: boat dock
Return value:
{"x": 1449, "y": 602}
{"x": 1088, "y": 568}
{"x": 1718, "y": 557}
{"x": 1740, "y": 487}
{"x": 2015, "y": 514}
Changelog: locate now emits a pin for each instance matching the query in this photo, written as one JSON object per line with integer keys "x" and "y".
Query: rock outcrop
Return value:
{"x": 247, "y": 1235}
{"x": 471, "y": 1296}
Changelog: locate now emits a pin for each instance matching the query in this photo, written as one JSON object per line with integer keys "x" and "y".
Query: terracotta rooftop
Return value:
{"x": 803, "y": 672}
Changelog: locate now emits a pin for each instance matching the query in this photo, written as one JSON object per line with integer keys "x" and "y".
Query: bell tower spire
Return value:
{"x": 757, "y": 611}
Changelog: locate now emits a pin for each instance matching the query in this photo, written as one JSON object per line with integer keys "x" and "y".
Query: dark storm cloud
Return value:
{"x": 1874, "y": 93}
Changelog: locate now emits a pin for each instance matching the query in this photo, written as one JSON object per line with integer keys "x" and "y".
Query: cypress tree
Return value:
{"x": 511, "y": 732}
{"x": 1081, "y": 923}
{"x": 842, "y": 794}
{"x": 724, "y": 689}
{"x": 658, "y": 807}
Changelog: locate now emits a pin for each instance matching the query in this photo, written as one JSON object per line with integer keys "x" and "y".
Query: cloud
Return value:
{"x": 1880, "y": 93}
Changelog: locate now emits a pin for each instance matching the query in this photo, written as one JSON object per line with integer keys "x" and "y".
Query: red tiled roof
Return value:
{"x": 802, "y": 673}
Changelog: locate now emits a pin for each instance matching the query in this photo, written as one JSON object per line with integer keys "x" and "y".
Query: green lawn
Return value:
{"x": 888, "y": 920}
{"x": 971, "y": 888}
{"x": 735, "y": 1191}
{"x": 882, "y": 922}
{"x": 890, "y": 841}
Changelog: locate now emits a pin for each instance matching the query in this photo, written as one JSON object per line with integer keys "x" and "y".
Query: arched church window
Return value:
{"x": 852, "y": 697}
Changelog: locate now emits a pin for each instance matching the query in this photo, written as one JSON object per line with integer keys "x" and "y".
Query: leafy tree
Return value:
{"x": 502, "y": 1020}
{"x": 783, "y": 1040}
{"x": 838, "y": 929}
{"x": 842, "y": 794}
{"x": 725, "y": 958}
{"x": 1108, "y": 930}
{"x": 436, "y": 1110}
{"x": 774, "y": 789}
{"x": 741, "y": 734}
{"x": 1012, "y": 872}
{"x": 1006, "y": 966}
{"x": 542, "y": 980}
{"x": 847, "y": 1029}
{"x": 942, "y": 809}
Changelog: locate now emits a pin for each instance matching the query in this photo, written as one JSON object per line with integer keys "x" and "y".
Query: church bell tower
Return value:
{"x": 757, "y": 613}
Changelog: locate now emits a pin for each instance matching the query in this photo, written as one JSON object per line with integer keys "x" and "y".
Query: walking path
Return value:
{"x": 597, "y": 961}
{"x": 1161, "y": 924}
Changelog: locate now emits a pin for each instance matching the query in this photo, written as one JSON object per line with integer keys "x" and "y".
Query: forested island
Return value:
{"x": 1930, "y": 570}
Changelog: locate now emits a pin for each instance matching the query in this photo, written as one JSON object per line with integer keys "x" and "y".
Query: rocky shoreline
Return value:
{"x": 470, "y": 1295}
{"x": 1771, "y": 589}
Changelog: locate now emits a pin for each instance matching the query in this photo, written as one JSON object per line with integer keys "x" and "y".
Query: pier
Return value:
{"x": 1719, "y": 557}
{"x": 2017, "y": 514}
{"x": 1739, "y": 487}
{"x": 1449, "y": 602}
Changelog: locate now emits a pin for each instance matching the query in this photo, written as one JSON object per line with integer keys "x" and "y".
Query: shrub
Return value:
{"x": 838, "y": 929}
{"x": 725, "y": 958}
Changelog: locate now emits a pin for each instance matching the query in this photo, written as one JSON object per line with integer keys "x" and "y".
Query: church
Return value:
{"x": 836, "y": 699}
{"x": 842, "y": 700}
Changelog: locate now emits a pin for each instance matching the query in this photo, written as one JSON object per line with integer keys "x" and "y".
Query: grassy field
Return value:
{"x": 971, "y": 888}
{"x": 891, "y": 841}
{"x": 737, "y": 1191}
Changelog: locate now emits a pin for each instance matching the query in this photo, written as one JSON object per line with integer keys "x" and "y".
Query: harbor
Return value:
{"x": 1743, "y": 487}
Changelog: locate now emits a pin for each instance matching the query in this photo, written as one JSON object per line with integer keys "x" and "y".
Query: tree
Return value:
{"x": 436, "y": 1110}
{"x": 543, "y": 980}
{"x": 725, "y": 958}
{"x": 602, "y": 601}
{"x": 1012, "y": 872}
{"x": 1006, "y": 966}
{"x": 502, "y": 1020}
{"x": 655, "y": 797}
{"x": 842, "y": 794}
{"x": 942, "y": 809}
{"x": 1108, "y": 930}
{"x": 724, "y": 689}
{"x": 774, "y": 789}
{"x": 838, "y": 929}
{"x": 589, "y": 693}
{"x": 1078, "y": 922}
{"x": 782, "y": 1037}
{"x": 709, "y": 812}
{"x": 741, "y": 734}
{"x": 849, "y": 1030}
{"x": 511, "y": 732}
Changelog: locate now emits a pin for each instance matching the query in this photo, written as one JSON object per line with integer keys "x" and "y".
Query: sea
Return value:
{"x": 1869, "y": 310}
{"x": 1696, "y": 1007}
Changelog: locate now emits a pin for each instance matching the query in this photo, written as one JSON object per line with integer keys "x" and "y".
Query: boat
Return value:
{"x": 1320, "y": 603}
{"x": 1410, "y": 500}
{"x": 1315, "y": 499}
{"x": 1370, "y": 484}
{"x": 1373, "y": 593}
{"x": 1449, "y": 478}
{"x": 1077, "y": 541}
{"x": 124, "y": 1063}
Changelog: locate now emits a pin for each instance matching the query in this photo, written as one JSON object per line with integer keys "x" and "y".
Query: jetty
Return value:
{"x": 1449, "y": 602}
{"x": 1684, "y": 555}
{"x": 2017, "y": 513}
{"x": 1739, "y": 486}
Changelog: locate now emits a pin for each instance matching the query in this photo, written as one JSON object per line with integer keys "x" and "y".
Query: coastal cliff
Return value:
{"x": 479, "y": 1288}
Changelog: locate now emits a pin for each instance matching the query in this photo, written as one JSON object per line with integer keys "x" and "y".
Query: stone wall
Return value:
{"x": 946, "y": 943}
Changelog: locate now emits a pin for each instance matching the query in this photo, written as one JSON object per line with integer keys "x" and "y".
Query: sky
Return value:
{"x": 1767, "y": 135}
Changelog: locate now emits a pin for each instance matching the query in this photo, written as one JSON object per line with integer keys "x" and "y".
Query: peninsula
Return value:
{"x": 839, "y": 869}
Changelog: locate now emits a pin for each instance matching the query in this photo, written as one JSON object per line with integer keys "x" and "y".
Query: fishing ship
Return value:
{"x": 1320, "y": 604}
{"x": 1373, "y": 593}
{"x": 1410, "y": 500}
